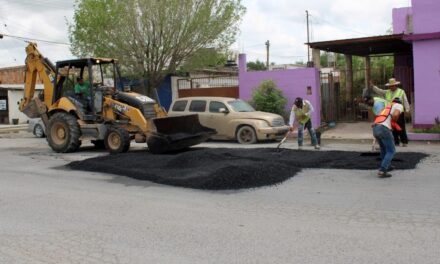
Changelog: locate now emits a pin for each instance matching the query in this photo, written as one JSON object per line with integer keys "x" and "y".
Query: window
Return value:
{"x": 180, "y": 106}
{"x": 197, "y": 106}
{"x": 241, "y": 106}
{"x": 214, "y": 107}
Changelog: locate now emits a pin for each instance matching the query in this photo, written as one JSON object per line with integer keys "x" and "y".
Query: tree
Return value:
{"x": 256, "y": 66}
{"x": 152, "y": 38}
{"x": 208, "y": 57}
{"x": 268, "y": 98}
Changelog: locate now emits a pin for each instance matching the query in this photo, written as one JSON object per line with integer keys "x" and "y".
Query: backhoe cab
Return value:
{"x": 99, "y": 110}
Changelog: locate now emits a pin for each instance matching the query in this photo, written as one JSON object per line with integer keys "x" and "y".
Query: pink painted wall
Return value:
{"x": 292, "y": 82}
{"x": 400, "y": 16}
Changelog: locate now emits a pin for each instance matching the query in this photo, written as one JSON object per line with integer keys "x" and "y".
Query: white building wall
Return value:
{"x": 174, "y": 90}
{"x": 15, "y": 96}
{"x": 15, "y": 93}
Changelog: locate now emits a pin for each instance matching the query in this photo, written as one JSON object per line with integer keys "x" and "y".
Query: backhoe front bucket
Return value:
{"x": 176, "y": 133}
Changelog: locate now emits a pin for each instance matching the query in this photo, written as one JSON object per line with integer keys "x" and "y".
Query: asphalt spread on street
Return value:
{"x": 229, "y": 169}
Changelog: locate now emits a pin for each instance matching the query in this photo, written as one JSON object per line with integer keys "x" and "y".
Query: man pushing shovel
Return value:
{"x": 301, "y": 112}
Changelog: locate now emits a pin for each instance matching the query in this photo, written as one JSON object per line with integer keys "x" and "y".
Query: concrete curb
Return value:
{"x": 13, "y": 128}
{"x": 366, "y": 141}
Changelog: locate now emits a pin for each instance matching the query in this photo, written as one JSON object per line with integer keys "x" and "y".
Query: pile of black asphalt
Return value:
{"x": 228, "y": 169}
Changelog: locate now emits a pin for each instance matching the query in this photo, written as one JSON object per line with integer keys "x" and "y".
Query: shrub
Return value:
{"x": 268, "y": 98}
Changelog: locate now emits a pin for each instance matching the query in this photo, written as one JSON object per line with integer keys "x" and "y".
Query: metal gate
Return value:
{"x": 225, "y": 86}
{"x": 340, "y": 104}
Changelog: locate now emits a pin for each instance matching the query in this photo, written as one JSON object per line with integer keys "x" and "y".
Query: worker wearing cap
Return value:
{"x": 301, "y": 112}
{"x": 392, "y": 93}
{"x": 377, "y": 103}
{"x": 384, "y": 123}
{"x": 82, "y": 91}
{"x": 81, "y": 88}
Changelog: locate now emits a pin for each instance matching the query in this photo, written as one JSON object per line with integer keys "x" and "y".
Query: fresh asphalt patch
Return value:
{"x": 228, "y": 169}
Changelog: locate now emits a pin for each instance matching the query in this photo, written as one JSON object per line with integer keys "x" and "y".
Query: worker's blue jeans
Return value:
{"x": 312, "y": 133}
{"x": 385, "y": 138}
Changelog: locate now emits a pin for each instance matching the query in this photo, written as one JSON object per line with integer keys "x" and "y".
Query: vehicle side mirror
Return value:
{"x": 223, "y": 110}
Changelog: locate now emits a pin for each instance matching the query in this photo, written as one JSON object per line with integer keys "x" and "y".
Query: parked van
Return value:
{"x": 233, "y": 119}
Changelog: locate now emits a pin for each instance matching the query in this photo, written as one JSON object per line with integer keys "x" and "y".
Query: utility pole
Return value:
{"x": 267, "y": 54}
{"x": 308, "y": 38}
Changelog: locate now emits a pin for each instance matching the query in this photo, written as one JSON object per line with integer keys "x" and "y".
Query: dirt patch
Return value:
{"x": 222, "y": 169}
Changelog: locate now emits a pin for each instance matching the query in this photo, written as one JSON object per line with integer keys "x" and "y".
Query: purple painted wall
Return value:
{"x": 426, "y": 54}
{"x": 426, "y": 16}
{"x": 400, "y": 18}
{"x": 293, "y": 83}
{"x": 426, "y": 81}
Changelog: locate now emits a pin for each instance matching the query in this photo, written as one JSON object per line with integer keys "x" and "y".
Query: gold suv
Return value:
{"x": 232, "y": 118}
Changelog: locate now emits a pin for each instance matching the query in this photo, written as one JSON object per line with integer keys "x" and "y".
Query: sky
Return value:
{"x": 282, "y": 22}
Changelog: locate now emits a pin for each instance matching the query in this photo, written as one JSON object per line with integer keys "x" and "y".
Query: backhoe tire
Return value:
{"x": 63, "y": 133}
{"x": 246, "y": 135}
{"x": 117, "y": 140}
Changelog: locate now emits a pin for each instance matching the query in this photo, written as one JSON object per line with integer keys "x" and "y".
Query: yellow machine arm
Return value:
{"x": 36, "y": 64}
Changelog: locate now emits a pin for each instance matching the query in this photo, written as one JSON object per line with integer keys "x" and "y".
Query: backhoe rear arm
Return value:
{"x": 36, "y": 64}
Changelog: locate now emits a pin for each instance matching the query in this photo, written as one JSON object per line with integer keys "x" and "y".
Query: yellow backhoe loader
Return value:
{"x": 103, "y": 111}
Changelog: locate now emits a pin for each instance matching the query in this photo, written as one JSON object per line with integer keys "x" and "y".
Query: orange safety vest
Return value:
{"x": 386, "y": 112}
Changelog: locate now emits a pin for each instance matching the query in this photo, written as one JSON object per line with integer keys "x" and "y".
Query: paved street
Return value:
{"x": 52, "y": 215}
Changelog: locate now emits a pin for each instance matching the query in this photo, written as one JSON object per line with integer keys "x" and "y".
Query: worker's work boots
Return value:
{"x": 383, "y": 174}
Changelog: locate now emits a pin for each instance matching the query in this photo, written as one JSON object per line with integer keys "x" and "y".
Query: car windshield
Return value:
{"x": 241, "y": 106}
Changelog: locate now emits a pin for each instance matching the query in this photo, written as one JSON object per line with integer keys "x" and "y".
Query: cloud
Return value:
{"x": 282, "y": 22}
{"x": 34, "y": 20}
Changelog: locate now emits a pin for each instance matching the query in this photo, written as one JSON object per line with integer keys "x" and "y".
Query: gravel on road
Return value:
{"x": 227, "y": 168}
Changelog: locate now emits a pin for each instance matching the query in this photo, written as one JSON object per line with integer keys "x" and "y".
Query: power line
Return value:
{"x": 320, "y": 20}
{"x": 277, "y": 56}
{"x": 254, "y": 45}
{"x": 27, "y": 39}
{"x": 38, "y": 3}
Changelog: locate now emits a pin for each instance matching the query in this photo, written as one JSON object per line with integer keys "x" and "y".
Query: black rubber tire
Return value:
{"x": 99, "y": 143}
{"x": 246, "y": 135}
{"x": 39, "y": 131}
{"x": 63, "y": 133}
{"x": 117, "y": 140}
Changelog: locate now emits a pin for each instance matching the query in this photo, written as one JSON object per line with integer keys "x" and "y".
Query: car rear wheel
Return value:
{"x": 246, "y": 135}
{"x": 39, "y": 131}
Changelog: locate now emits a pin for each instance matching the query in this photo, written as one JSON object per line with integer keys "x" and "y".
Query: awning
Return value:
{"x": 388, "y": 44}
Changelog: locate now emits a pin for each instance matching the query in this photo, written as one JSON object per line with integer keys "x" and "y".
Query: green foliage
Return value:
{"x": 256, "y": 66}
{"x": 152, "y": 38}
{"x": 268, "y": 98}
{"x": 203, "y": 58}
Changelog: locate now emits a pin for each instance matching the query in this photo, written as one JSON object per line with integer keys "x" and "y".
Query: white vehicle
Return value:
{"x": 36, "y": 126}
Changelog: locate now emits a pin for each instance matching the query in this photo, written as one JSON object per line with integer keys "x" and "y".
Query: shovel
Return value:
{"x": 282, "y": 140}
{"x": 373, "y": 152}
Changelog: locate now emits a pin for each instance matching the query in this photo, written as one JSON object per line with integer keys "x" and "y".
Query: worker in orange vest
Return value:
{"x": 384, "y": 123}
{"x": 394, "y": 92}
